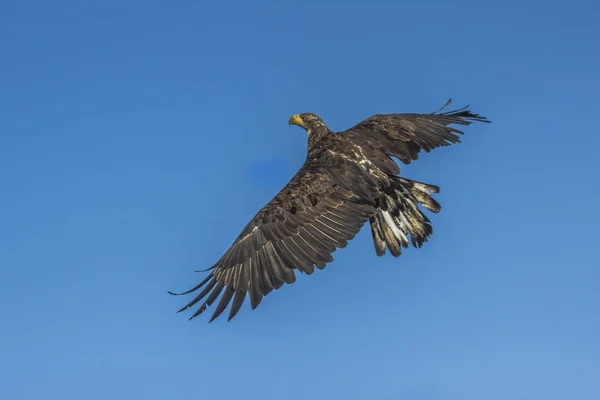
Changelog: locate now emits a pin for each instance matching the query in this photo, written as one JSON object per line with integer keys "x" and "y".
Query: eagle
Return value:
{"x": 348, "y": 178}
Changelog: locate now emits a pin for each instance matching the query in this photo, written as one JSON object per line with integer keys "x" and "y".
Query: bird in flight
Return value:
{"x": 347, "y": 179}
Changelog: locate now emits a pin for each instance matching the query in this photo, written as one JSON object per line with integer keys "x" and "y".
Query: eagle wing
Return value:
{"x": 300, "y": 228}
{"x": 405, "y": 135}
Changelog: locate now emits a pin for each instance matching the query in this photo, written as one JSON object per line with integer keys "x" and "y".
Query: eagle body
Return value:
{"x": 347, "y": 179}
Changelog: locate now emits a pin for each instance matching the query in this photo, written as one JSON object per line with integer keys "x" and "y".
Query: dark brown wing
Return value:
{"x": 404, "y": 135}
{"x": 299, "y": 229}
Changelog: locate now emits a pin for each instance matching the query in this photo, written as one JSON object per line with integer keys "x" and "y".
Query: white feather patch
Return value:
{"x": 388, "y": 218}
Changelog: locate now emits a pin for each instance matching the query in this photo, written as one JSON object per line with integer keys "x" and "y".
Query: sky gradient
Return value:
{"x": 138, "y": 138}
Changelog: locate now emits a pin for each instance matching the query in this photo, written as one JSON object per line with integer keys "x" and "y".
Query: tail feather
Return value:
{"x": 399, "y": 216}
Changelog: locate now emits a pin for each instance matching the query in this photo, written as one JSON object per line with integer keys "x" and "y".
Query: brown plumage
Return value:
{"x": 348, "y": 178}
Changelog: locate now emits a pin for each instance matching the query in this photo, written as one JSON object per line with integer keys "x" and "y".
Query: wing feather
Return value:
{"x": 324, "y": 250}
{"x": 224, "y": 302}
{"x": 238, "y": 300}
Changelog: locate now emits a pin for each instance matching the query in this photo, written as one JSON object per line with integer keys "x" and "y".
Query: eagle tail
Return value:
{"x": 399, "y": 216}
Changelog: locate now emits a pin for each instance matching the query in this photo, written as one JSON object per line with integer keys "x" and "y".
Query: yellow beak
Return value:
{"x": 296, "y": 120}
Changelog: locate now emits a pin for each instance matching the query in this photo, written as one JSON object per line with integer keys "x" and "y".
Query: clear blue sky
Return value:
{"x": 138, "y": 138}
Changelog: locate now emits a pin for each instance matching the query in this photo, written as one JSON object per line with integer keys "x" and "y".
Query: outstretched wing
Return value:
{"x": 299, "y": 229}
{"x": 404, "y": 135}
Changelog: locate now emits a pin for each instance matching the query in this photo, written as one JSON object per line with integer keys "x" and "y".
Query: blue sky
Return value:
{"x": 138, "y": 138}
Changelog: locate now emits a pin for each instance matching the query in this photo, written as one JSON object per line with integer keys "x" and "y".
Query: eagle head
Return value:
{"x": 310, "y": 122}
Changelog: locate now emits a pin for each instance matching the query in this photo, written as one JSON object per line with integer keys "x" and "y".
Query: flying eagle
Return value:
{"x": 348, "y": 178}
